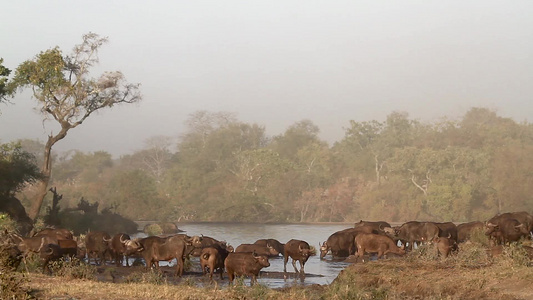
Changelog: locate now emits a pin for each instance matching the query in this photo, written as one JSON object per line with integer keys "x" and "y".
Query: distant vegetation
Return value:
{"x": 223, "y": 169}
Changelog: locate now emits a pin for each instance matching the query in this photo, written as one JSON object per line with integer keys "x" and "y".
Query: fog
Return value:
{"x": 277, "y": 62}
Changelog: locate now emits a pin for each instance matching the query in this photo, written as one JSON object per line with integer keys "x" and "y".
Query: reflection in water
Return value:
{"x": 236, "y": 234}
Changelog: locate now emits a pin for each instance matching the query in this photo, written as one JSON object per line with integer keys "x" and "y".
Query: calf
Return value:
{"x": 297, "y": 250}
{"x": 245, "y": 263}
{"x": 445, "y": 245}
{"x": 258, "y": 249}
{"x": 376, "y": 243}
{"x": 213, "y": 258}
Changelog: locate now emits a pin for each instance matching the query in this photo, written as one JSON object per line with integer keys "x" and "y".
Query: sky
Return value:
{"x": 275, "y": 63}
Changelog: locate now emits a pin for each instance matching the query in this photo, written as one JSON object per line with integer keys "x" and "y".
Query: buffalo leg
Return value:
{"x": 294, "y": 265}
{"x": 302, "y": 264}
{"x": 285, "y": 260}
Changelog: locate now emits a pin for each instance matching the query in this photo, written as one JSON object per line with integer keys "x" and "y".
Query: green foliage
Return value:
{"x": 4, "y": 88}
{"x": 17, "y": 168}
{"x": 7, "y": 223}
{"x": 395, "y": 170}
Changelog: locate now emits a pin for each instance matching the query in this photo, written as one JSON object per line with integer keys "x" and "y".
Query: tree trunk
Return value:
{"x": 42, "y": 186}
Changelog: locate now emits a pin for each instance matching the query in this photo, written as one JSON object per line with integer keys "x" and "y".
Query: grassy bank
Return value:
{"x": 470, "y": 274}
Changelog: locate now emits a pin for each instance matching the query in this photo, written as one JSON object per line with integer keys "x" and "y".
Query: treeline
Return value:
{"x": 223, "y": 169}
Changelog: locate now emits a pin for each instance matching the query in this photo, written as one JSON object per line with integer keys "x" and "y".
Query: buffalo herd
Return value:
{"x": 364, "y": 238}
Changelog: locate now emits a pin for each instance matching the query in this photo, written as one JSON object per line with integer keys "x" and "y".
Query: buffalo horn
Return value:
{"x": 491, "y": 225}
{"x": 50, "y": 252}
{"x": 122, "y": 241}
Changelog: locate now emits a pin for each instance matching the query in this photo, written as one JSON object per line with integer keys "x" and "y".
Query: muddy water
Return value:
{"x": 319, "y": 271}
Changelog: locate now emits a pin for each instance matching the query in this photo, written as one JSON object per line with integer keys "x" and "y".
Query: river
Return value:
{"x": 319, "y": 272}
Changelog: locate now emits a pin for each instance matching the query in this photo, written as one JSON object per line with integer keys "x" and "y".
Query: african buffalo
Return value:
{"x": 378, "y": 226}
{"x": 123, "y": 246}
{"x": 205, "y": 241}
{"x": 57, "y": 233}
{"x": 258, "y": 249}
{"x": 156, "y": 249}
{"x": 213, "y": 258}
{"x": 68, "y": 248}
{"x": 97, "y": 245}
{"x": 272, "y": 243}
{"x": 465, "y": 230}
{"x": 341, "y": 243}
{"x": 522, "y": 217}
{"x": 245, "y": 263}
{"x": 297, "y": 250}
{"x": 511, "y": 230}
{"x": 445, "y": 245}
{"x": 414, "y": 231}
{"x": 376, "y": 243}
{"x": 49, "y": 252}
{"x": 448, "y": 230}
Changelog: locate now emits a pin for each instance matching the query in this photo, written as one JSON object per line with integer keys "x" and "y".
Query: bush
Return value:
{"x": 73, "y": 269}
{"x": 154, "y": 276}
{"x": 6, "y": 223}
{"x": 12, "y": 286}
{"x": 153, "y": 229}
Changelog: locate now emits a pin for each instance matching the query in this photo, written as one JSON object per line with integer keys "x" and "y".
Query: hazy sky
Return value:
{"x": 278, "y": 62}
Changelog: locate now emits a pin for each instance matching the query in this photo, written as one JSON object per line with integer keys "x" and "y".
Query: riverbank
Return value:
{"x": 470, "y": 274}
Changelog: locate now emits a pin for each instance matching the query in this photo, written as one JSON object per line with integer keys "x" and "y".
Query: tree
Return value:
{"x": 65, "y": 92}
{"x": 5, "y": 89}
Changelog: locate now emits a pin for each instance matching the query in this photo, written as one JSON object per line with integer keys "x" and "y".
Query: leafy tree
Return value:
{"x": 5, "y": 88}
{"x": 17, "y": 168}
{"x": 66, "y": 93}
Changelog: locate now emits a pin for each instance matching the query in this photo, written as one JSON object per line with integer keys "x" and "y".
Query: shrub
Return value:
{"x": 73, "y": 269}
{"x": 153, "y": 229}
{"x": 154, "y": 276}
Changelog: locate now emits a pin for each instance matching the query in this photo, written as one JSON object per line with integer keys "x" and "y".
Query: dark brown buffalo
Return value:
{"x": 521, "y": 216}
{"x": 448, "y": 230}
{"x": 245, "y": 263}
{"x": 341, "y": 243}
{"x": 376, "y": 243}
{"x": 48, "y": 253}
{"x": 213, "y": 257}
{"x": 157, "y": 249}
{"x": 123, "y": 246}
{"x": 272, "y": 243}
{"x": 414, "y": 231}
{"x": 378, "y": 225}
{"x": 68, "y": 248}
{"x": 97, "y": 244}
{"x": 445, "y": 245}
{"x": 298, "y": 250}
{"x": 32, "y": 244}
{"x": 258, "y": 249}
{"x": 206, "y": 241}
{"x": 511, "y": 230}
{"x": 57, "y": 233}
{"x": 465, "y": 230}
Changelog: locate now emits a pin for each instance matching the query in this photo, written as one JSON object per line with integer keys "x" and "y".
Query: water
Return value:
{"x": 236, "y": 234}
